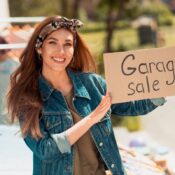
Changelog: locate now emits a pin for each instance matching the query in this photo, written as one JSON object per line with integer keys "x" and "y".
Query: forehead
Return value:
{"x": 61, "y": 33}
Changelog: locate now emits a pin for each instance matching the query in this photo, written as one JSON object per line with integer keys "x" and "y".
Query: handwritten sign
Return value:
{"x": 140, "y": 74}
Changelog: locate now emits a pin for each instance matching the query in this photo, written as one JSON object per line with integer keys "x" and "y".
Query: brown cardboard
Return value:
{"x": 140, "y": 74}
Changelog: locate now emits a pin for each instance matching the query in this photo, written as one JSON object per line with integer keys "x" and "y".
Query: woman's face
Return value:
{"x": 57, "y": 51}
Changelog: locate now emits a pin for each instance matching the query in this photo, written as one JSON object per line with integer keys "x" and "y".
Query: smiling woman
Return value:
{"x": 57, "y": 51}
{"x": 63, "y": 107}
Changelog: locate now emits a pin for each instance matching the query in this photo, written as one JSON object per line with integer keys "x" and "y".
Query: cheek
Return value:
{"x": 70, "y": 52}
{"x": 47, "y": 52}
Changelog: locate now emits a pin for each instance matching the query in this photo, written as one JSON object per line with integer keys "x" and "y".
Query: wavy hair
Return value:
{"x": 23, "y": 99}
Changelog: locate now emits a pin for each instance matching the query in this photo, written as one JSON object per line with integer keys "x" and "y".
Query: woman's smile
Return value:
{"x": 58, "y": 60}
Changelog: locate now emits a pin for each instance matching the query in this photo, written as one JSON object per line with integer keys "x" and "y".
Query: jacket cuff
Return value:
{"x": 158, "y": 101}
{"x": 62, "y": 142}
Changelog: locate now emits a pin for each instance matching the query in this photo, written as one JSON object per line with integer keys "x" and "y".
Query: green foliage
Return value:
{"x": 101, "y": 13}
{"x": 93, "y": 27}
{"x": 159, "y": 11}
{"x": 105, "y": 7}
{"x": 33, "y": 8}
{"x": 131, "y": 123}
{"x": 121, "y": 24}
{"x": 100, "y": 63}
{"x": 100, "y": 26}
{"x": 166, "y": 19}
{"x": 122, "y": 46}
{"x": 116, "y": 120}
{"x": 41, "y": 7}
{"x": 108, "y": 4}
{"x": 132, "y": 10}
{"x": 83, "y": 15}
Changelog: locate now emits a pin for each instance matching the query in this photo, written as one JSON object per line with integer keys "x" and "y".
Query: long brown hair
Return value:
{"x": 23, "y": 99}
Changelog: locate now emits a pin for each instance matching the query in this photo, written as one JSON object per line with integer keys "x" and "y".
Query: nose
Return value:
{"x": 60, "y": 49}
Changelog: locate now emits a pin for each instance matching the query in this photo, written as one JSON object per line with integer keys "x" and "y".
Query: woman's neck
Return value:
{"x": 60, "y": 81}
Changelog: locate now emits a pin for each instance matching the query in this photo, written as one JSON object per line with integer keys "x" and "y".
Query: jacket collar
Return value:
{"x": 45, "y": 88}
{"x": 79, "y": 89}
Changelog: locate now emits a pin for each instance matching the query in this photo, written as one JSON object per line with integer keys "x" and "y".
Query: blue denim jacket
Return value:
{"x": 52, "y": 154}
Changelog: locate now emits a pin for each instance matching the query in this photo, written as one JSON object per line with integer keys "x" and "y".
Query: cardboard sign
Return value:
{"x": 140, "y": 74}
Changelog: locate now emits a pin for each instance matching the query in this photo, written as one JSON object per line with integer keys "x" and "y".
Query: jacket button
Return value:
{"x": 112, "y": 165}
{"x": 101, "y": 144}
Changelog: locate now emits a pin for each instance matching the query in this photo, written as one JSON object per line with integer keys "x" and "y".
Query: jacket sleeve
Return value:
{"x": 133, "y": 108}
{"x": 50, "y": 147}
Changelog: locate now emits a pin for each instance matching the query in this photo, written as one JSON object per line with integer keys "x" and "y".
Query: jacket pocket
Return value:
{"x": 54, "y": 121}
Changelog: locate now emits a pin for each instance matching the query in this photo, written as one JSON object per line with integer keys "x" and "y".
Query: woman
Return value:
{"x": 63, "y": 109}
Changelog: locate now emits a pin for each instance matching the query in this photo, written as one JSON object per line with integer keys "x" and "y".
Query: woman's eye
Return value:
{"x": 68, "y": 44}
{"x": 52, "y": 42}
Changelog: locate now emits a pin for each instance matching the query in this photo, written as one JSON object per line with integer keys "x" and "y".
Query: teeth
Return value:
{"x": 58, "y": 59}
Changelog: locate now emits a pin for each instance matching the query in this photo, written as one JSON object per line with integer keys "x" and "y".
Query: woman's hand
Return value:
{"x": 101, "y": 109}
{"x": 81, "y": 127}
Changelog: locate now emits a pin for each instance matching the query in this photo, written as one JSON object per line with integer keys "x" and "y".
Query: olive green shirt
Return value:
{"x": 87, "y": 160}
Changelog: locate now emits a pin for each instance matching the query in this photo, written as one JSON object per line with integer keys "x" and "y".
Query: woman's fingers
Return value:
{"x": 105, "y": 99}
{"x": 102, "y": 108}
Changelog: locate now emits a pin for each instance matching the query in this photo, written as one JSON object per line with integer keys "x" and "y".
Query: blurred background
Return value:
{"x": 109, "y": 26}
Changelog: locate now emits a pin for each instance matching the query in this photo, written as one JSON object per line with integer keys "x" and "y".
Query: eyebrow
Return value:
{"x": 68, "y": 40}
{"x": 52, "y": 38}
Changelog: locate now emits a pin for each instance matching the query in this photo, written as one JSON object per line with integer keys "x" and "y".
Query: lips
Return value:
{"x": 59, "y": 60}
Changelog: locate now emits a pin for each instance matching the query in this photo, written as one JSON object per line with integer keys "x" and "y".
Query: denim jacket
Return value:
{"x": 52, "y": 154}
